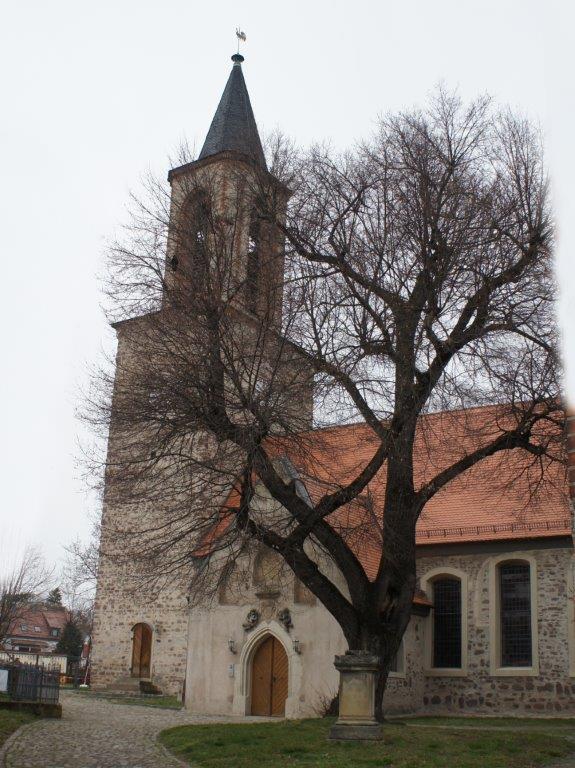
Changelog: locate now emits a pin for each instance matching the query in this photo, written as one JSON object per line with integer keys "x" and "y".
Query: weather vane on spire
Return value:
{"x": 241, "y": 37}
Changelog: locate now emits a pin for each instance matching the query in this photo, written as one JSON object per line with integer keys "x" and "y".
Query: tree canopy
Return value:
{"x": 409, "y": 275}
{"x": 71, "y": 641}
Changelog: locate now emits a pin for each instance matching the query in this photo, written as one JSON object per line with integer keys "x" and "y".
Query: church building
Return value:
{"x": 492, "y": 628}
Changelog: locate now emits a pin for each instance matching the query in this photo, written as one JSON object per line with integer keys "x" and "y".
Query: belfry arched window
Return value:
{"x": 253, "y": 266}
{"x": 192, "y": 253}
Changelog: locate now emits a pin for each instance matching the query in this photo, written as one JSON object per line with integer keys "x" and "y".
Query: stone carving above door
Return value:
{"x": 252, "y": 620}
{"x": 284, "y": 618}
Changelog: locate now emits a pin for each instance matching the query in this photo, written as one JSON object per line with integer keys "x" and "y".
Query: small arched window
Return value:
{"x": 253, "y": 265}
{"x": 515, "y": 614}
{"x": 447, "y": 635}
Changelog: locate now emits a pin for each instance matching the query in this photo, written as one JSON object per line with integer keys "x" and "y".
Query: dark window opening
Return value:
{"x": 253, "y": 267}
{"x": 515, "y": 602}
{"x": 447, "y": 623}
{"x": 192, "y": 253}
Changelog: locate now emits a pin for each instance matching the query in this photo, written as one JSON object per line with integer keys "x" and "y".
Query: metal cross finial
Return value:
{"x": 241, "y": 37}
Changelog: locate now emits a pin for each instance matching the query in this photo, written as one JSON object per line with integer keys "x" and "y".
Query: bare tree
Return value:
{"x": 409, "y": 275}
{"x": 80, "y": 572}
{"x": 21, "y": 586}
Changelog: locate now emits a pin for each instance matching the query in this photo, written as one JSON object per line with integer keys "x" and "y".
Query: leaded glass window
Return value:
{"x": 447, "y": 623}
{"x": 515, "y": 604}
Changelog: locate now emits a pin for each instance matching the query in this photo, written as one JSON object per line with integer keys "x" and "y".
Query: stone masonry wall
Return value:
{"x": 117, "y": 610}
{"x": 405, "y": 688}
{"x": 120, "y": 604}
{"x": 550, "y": 691}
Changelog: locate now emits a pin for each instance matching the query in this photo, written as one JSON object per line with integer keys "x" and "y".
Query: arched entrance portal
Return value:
{"x": 269, "y": 678}
{"x": 141, "y": 650}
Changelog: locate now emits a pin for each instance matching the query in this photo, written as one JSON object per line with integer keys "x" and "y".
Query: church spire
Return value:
{"x": 234, "y": 125}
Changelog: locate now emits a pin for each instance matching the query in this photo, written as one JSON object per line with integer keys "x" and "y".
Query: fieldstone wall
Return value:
{"x": 481, "y": 689}
{"x": 405, "y": 688}
{"x": 123, "y": 600}
{"x": 117, "y": 609}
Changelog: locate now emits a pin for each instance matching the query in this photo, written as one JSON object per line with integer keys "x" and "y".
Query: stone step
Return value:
{"x": 134, "y": 685}
{"x": 147, "y": 686}
{"x": 125, "y": 684}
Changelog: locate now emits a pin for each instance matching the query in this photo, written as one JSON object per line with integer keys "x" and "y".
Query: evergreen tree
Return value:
{"x": 70, "y": 642}
{"x": 54, "y": 597}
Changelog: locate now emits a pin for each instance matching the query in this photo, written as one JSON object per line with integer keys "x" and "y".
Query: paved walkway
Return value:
{"x": 95, "y": 733}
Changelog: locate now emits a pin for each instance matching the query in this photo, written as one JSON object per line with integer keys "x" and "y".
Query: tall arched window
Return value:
{"x": 515, "y": 614}
{"x": 447, "y": 635}
{"x": 253, "y": 265}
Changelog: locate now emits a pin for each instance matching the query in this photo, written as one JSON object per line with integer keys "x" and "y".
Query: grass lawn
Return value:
{"x": 10, "y": 721}
{"x": 304, "y": 744}
{"x": 547, "y": 724}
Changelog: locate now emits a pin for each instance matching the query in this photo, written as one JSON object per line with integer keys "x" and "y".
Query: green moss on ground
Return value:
{"x": 11, "y": 721}
{"x": 163, "y": 702}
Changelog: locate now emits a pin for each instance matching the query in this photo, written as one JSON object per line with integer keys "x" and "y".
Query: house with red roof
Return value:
{"x": 36, "y": 629}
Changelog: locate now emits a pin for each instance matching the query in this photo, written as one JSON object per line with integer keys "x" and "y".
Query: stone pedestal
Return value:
{"x": 357, "y": 681}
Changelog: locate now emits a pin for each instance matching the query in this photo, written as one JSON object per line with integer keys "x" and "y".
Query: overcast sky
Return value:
{"x": 96, "y": 94}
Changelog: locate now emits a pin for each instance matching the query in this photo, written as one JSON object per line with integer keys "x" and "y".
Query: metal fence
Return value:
{"x": 33, "y": 683}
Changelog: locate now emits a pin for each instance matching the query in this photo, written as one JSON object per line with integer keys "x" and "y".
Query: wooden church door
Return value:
{"x": 269, "y": 679}
{"x": 141, "y": 650}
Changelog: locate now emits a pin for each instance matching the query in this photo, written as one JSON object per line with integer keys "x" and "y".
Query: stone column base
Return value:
{"x": 357, "y": 682}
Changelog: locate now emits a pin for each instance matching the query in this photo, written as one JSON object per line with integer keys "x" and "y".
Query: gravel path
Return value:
{"x": 95, "y": 733}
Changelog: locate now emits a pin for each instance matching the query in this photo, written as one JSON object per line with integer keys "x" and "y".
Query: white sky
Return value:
{"x": 95, "y": 94}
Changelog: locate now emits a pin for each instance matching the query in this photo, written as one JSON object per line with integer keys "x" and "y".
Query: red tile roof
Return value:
{"x": 46, "y": 619}
{"x": 571, "y": 450}
{"x": 504, "y": 496}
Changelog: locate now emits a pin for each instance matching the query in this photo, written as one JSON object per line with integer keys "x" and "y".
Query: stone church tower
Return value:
{"x": 136, "y": 638}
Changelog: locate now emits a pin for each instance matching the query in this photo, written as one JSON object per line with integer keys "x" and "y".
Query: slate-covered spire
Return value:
{"x": 234, "y": 125}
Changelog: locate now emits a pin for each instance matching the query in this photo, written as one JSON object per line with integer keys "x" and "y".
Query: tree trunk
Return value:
{"x": 382, "y": 633}
{"x": 379, "y": 691}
